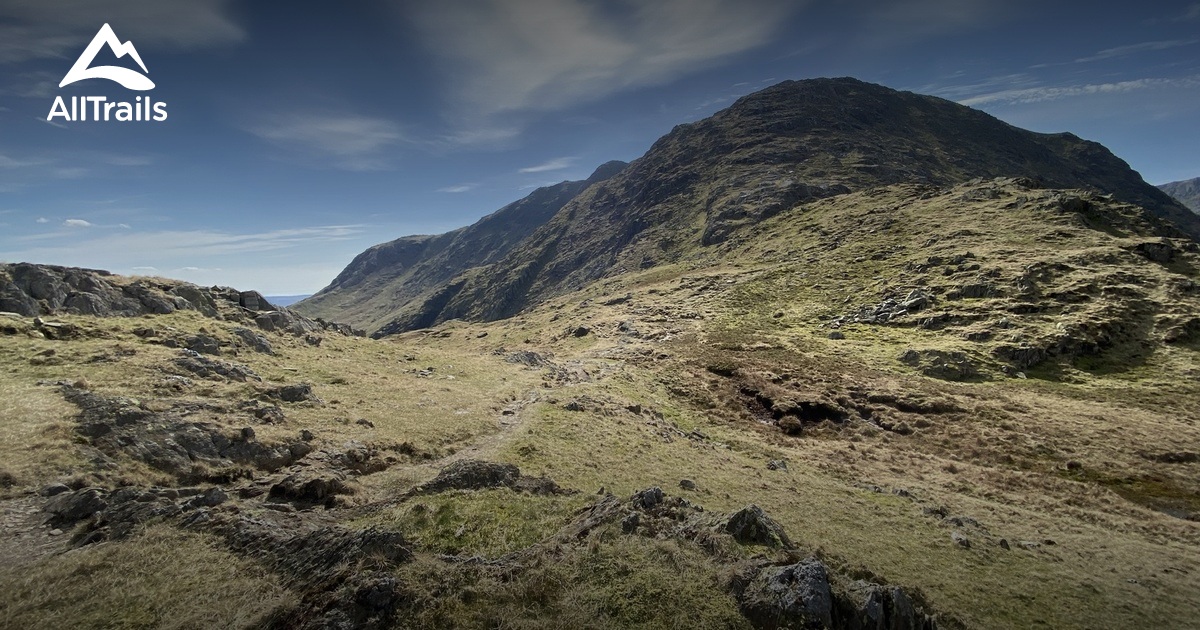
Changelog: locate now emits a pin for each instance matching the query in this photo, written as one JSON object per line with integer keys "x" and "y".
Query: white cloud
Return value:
{"x": 460, "y": 188}
{"x": 505, "y": 56}
{"x": 557, "y": 164}
{"x": 73, "y": 223}
{"x": 42, "y": 220}
{"x": 144, "y": 268}
{"x": 1131, "y": 49}
{"x": 37, "y": 29}
{"x": 1040, "y": 94}
{"x": 351, "y": 142}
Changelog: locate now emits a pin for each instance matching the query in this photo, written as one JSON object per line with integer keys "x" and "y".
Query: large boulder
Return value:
{"x": 796, "y": 596}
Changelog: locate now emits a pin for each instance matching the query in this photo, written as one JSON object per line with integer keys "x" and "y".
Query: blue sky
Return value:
{"x": 300, "y": 133}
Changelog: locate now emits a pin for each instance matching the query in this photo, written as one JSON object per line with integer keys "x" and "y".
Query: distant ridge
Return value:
{"x": 379, "y": 281}
{"x": 1186, "y": 191}
{"x": 286, "y": 300}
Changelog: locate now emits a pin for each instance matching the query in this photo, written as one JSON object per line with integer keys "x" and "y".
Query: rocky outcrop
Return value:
{"x": 169, "y": 442}
{"x": 772, "y": 593}
{"x": 36, "y": 290}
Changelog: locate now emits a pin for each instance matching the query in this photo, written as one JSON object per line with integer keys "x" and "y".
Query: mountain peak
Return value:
{"x": 713, "y": 181}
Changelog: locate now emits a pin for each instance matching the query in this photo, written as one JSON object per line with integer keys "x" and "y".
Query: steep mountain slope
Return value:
{"x": 1186, "y": 191}
{"x": 704, "y": 182}
{"x": 385, "y": 277}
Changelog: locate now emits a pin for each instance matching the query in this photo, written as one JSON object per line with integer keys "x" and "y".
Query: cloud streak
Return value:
{"x": 1041, "y": 94}
{"x": 347, "y": 141}
{"x": 557, "y": 164}
{"x": 1133, "y": 49}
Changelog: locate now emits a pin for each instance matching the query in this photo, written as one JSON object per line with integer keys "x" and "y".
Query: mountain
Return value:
{"x": 707, "y": 182}
{"x": 1186, "y": 192}
{"x": 815, "y": 362}
{"x": 384, "y": 278}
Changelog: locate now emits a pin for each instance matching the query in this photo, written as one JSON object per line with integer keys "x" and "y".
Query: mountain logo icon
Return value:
{"x": 130, "y": 79}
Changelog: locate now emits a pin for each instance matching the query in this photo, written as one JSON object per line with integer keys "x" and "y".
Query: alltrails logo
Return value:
{"x": 99, "y": 107}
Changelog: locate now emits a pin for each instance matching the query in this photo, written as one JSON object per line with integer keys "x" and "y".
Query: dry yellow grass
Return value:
{"x": 163, "y": 578}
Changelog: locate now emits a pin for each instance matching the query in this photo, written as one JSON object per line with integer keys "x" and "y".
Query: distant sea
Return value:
{"x": 285, "y": 300}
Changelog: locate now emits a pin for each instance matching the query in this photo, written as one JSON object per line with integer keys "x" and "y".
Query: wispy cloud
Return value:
{"x": 347, "y": 141}
{"x": 551, "y": 54}
{"x": 173, "y": 243}
{"x": 459, "y": 188}
{"x": 37, "y": 29}
{"x": 557, "y": 164}
{"x": 1040, "y": 94}
{"x": 1132, "y": 49}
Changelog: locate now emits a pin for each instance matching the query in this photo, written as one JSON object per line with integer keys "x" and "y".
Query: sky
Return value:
{"x": 300, "y": 133}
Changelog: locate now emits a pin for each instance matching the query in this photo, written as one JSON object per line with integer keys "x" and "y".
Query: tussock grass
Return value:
{"x": 163, "y": 578}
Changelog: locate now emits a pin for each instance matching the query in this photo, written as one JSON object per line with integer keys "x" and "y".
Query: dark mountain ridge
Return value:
{"x": 389, "y": 275}
{"x": 708, "y": 182}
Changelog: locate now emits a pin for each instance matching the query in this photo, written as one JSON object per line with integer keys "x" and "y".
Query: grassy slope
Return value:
{"x": 996, "y": 450}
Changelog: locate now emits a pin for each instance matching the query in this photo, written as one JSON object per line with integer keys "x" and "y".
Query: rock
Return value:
{"x": 629, "y": 524}
{"x": 470, "y": 474}
{"x": 687, "y": 484}
{"x": 54, "y": 489}
{"x": 862, "y": 605}
{"x": 837, "y": 334}
{"x": 194, "y": 363}
{"x": 254, "y": 301}
{"x": 300, "y": 392}
{"x": 648, "y": 498}
{"x": 751, "y": 526}
{"x": 68, "y": 508}
{"x": 209, "y": 498}
{"x": 311, "y": 487}
{"x": 960, "y": 540}
{"x": 253, "y": 340}
{"x": 777, "y": 464}
{"x": 364, "y": 422}
{"x": 1161, "y": 251}
{"x": 581, "y": 331}
{"x": 525, "y": 357}
{"x": 792, "y": 596}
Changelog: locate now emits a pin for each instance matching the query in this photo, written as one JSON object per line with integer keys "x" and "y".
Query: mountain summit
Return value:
{"x": 711, "y": 181}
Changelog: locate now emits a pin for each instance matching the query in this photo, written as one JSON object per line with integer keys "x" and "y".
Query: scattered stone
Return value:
{"x": 300, "y": 392}
{"x": 751, "y": 526}
{"x": 960, "y": 540}
{"x": 1004, "y": 544}
{"x": 203, "y": 344}
{"x": 687, "y": 484}
{"x": 777, "y": 464}
{"x": 837, "y": 334}
{"x": 194, "y": 363}
{"x": 253, "y": 340}
{"x": 364, "y": 422}
{"x": 581, "y": 331}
